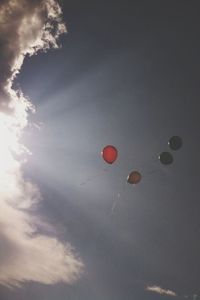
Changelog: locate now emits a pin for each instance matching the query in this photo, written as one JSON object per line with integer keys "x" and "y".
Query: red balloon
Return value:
{"x": 109, "y": 154}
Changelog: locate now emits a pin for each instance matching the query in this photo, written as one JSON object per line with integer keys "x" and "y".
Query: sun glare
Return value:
{"x": 9, "y": 135}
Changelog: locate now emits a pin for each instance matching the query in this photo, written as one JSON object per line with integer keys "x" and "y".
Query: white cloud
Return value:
{"x": 159, "y": 290}
{"x": 26, "y": 27}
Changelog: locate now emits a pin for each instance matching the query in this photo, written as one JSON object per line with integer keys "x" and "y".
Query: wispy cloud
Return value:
{"x": 160, "y": 290}
{"x": 26, "y": 27}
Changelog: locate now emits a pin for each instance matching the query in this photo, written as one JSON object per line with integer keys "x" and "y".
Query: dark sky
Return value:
{"x": 128, "y": 75}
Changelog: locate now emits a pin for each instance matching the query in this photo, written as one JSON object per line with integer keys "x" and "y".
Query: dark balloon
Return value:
{"x": 175, "y": 143}
{"x": 109, "y": 154}
{"x": 166, "y": 158}
{"x": 134, "y": 177}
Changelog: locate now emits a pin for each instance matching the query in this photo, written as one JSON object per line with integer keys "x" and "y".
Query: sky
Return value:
{"x": 76, "y": 76}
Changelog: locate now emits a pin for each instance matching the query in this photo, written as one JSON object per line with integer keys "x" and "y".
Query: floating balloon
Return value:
{"x": 134, "y": 177}
{"x": 166, "y": 158}
{"x": 109, "y": 154}
{"x": 175, "y": 142}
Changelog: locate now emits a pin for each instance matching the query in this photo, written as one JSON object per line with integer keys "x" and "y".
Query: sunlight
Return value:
{"x": 9, "y": 135}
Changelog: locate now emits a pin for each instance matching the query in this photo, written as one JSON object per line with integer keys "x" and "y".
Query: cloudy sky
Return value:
{"x": 74, "y": 77}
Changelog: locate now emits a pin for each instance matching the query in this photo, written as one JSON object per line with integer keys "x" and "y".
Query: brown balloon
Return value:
{"x": 134, "y": 177}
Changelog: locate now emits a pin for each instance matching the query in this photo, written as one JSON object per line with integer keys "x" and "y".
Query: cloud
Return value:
{"x": 161, "y": 291}
{"x": 26, "y": 28}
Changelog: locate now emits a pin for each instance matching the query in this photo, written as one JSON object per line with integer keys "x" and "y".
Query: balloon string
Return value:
{"x": 151, "y": 172}
{"x": 114, "y": 204}
{"x": 95, "y": 176}
{"x": 142, "y": 165}
{"x": 116, "y": 201}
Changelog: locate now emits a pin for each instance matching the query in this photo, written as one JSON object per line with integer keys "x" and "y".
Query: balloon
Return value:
{"x": 166, "y": 158}
{"x": 109, "y": 154}
{"x": 175, "y": 142}
{"x": 134, "y": 177}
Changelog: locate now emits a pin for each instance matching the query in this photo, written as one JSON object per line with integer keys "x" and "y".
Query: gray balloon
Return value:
{"x": 166, "y": 158}
{"x": 175, "y": 142}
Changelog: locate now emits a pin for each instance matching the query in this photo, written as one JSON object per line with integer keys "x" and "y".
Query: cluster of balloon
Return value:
{"x": 110, "y": 153}
{"x": 174, "y": 143}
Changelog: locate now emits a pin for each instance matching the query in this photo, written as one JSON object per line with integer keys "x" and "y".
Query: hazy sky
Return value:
{"x": 127, "y": 74}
